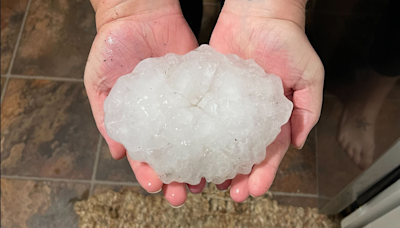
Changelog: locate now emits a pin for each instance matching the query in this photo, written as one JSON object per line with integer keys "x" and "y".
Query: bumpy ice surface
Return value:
{"x": 203, "y": 114}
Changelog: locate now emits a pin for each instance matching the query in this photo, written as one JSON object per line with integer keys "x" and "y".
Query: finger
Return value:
{"x": 146, "y": 176}
{"x": 117, "y": 150}
{"x": 239, "y": 188}
{"x": 197, "y": 188}
{"x": 367, "y": 157}
{"x": 307, "y": 102}
{"x": 263, "y": 174}
{"x": 340, "y": 137}
{"x": 357, "y": 157}
{"x": 349, "y": 151}
{"x": 224, "y": 186}
{"x": 175, "y": 193}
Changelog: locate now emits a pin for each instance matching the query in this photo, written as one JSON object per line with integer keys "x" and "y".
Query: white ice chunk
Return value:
{"x": 199, "y": 115}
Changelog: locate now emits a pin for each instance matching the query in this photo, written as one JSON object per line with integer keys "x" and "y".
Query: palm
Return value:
{"x": 280, "y": 47}
{"x": 119, "y": 46}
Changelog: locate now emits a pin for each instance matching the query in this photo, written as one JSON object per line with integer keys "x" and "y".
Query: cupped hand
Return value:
{"x": 129, "y": 31}
{"x": 279, "y": 45}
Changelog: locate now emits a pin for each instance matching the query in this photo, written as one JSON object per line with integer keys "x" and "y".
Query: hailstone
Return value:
{"x": 199, "y": 115}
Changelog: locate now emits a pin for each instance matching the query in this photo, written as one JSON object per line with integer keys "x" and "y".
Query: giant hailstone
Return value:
{"x": 203, "y": 114}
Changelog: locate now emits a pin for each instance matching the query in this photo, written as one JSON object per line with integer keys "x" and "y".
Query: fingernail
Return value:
{"x": 251, "y": 195}
{"x": 159, "y": 190}
{"x": 176, "y": 206}
{"x": 301, "y": 147}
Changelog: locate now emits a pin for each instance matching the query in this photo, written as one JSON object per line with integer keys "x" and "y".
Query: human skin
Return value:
{"x": 269, "y": 31}
{"x": 272, "y": 33}
{"x": 356, "y": 133}
{"x": 129, "y": 31}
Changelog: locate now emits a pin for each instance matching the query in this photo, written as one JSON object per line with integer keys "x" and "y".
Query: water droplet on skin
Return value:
{"x": 110, "y": 40}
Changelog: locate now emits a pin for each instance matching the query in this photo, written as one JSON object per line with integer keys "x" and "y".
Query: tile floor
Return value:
{"x": 51, "y": 152}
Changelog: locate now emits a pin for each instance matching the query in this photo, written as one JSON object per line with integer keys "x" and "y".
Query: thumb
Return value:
{"x": 307, "y": 102}
{"x": 96, "y": 99}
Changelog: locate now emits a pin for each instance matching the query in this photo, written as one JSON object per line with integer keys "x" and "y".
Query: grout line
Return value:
{"x": 3, "y": 91}
{"x": 134, "y": 184}
{"x": 21, "y": 30}
{"x": 44, "y": 179}
{"x": 294, "y": 194}
{"x": 39, "y": 77}
{"x": 96, "y": 163}
{"x": 324, "y": 197}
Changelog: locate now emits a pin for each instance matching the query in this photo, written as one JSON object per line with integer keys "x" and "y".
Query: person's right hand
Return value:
{"x": 129, "y": 31}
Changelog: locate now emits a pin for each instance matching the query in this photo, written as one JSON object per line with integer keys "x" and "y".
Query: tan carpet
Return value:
{"x": 211, "y": 208}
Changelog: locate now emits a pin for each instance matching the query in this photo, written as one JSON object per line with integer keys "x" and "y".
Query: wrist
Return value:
{"x": 290, "y": 10}
{"x": 110, "y": 10}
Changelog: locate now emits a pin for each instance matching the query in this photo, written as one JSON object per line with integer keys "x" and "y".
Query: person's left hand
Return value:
{"x": 280, "y": 47}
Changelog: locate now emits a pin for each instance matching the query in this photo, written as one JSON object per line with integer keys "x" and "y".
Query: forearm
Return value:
{"x": 291, "y": 10}
{"x": 109, "y": 10}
